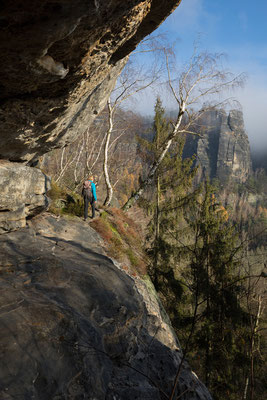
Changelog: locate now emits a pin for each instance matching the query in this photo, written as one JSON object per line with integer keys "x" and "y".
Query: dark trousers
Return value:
{"x": 86, "y": 204}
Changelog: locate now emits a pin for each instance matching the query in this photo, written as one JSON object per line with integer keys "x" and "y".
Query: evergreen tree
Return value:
{"x": 221, "y": 330}
{"x": 197, "y": 276}
{"x": 195, "y": 267}
{"x": 172, "y": 182}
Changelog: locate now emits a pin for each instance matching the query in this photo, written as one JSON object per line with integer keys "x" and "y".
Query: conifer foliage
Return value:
{"x": 214, "y": 271}
{"x": 196, "y": 269}
{"x": 197, "y": 273}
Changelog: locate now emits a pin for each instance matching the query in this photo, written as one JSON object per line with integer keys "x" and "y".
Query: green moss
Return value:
{"x": 116, "y": 240}
{"x": 74, "y": 205}
{"x": 114, "y": 230}
{"x": 132, "y": 257}
{"x": 104, "y": 215}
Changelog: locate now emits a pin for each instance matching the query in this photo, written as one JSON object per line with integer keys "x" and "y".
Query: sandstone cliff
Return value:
{"x": 223, "y": 151}
{"x": 59, "y": 62}
{"x": 22, "y": 194}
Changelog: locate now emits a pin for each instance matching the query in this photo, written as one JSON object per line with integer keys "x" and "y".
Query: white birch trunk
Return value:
{"x": 105, "y": 164}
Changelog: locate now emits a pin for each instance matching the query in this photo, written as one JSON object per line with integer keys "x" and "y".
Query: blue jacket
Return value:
{"x": 93, "y": 189}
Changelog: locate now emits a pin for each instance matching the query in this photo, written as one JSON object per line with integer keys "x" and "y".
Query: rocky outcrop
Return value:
{"x": 23, "y": 194}
{"x": 223, "y": 151}
{"x": 59, "y": 62}
{"x": 73, "y": 324}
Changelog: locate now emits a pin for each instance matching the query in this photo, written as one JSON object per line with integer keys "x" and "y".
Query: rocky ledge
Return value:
{"x": 74, "y": 325}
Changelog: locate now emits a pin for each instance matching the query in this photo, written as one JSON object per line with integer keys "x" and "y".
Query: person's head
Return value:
{"x": 91, "y": 178}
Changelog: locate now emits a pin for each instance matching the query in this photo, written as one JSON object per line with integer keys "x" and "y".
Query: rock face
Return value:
{"x": 223, "y": 152}
{"x": 59, "y": 62}
{"x": 23, "y": 194}
{"x": 76, "y": 326}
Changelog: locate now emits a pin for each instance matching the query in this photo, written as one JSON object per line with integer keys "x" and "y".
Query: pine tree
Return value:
{"x": 194, "y": 265}
{"x": 202, "y": 294}
{"x": 222, "y": 323}
{"x": 171, "y": 184}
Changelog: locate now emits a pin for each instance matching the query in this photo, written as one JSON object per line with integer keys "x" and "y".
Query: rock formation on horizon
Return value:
{"x": 223, "y": 150}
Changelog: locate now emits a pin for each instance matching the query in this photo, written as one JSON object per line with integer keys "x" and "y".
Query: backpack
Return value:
{"x": 87, "y": 191}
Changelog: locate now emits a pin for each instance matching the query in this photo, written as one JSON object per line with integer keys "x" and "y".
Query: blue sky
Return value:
{"x": 237, "y": 28}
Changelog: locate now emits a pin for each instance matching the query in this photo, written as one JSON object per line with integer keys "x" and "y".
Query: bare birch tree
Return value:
{"x": 198, "y": 84}
{"x": 131, "y": 82}
{"x": 69, "y": 166}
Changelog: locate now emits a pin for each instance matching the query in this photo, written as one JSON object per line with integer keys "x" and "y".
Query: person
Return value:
{"x": 89, "y": 196}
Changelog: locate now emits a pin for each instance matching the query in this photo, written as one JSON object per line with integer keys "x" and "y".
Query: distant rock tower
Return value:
{"x": 223, "y": 152}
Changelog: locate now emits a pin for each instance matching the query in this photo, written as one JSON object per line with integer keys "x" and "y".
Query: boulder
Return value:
{"x": 23, "y": 194}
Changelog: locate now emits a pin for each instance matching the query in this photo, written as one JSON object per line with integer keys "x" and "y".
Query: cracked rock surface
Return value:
{"x": 73, "y": 325}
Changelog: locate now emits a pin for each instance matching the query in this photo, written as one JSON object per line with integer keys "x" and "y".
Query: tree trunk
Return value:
{"x": 105, "y": 164}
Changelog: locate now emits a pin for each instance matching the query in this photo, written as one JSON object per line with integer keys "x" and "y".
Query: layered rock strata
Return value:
{"x": 23, "y": 194}
{"x": 59, "y": 62}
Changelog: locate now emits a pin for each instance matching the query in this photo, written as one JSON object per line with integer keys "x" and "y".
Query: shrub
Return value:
{"x": 64, "y": 201}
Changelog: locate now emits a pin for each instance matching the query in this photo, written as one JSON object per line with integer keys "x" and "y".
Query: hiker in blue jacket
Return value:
{"x": 89, "y": 196}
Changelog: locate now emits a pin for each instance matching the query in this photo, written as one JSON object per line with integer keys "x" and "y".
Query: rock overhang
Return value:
{"x": 60, "y": 61}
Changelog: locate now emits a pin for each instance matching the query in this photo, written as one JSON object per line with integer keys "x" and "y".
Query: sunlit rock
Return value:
{"x": 23, "y": 194}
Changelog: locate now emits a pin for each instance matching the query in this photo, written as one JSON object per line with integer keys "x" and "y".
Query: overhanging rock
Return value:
{"x": 59, "y": 62}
